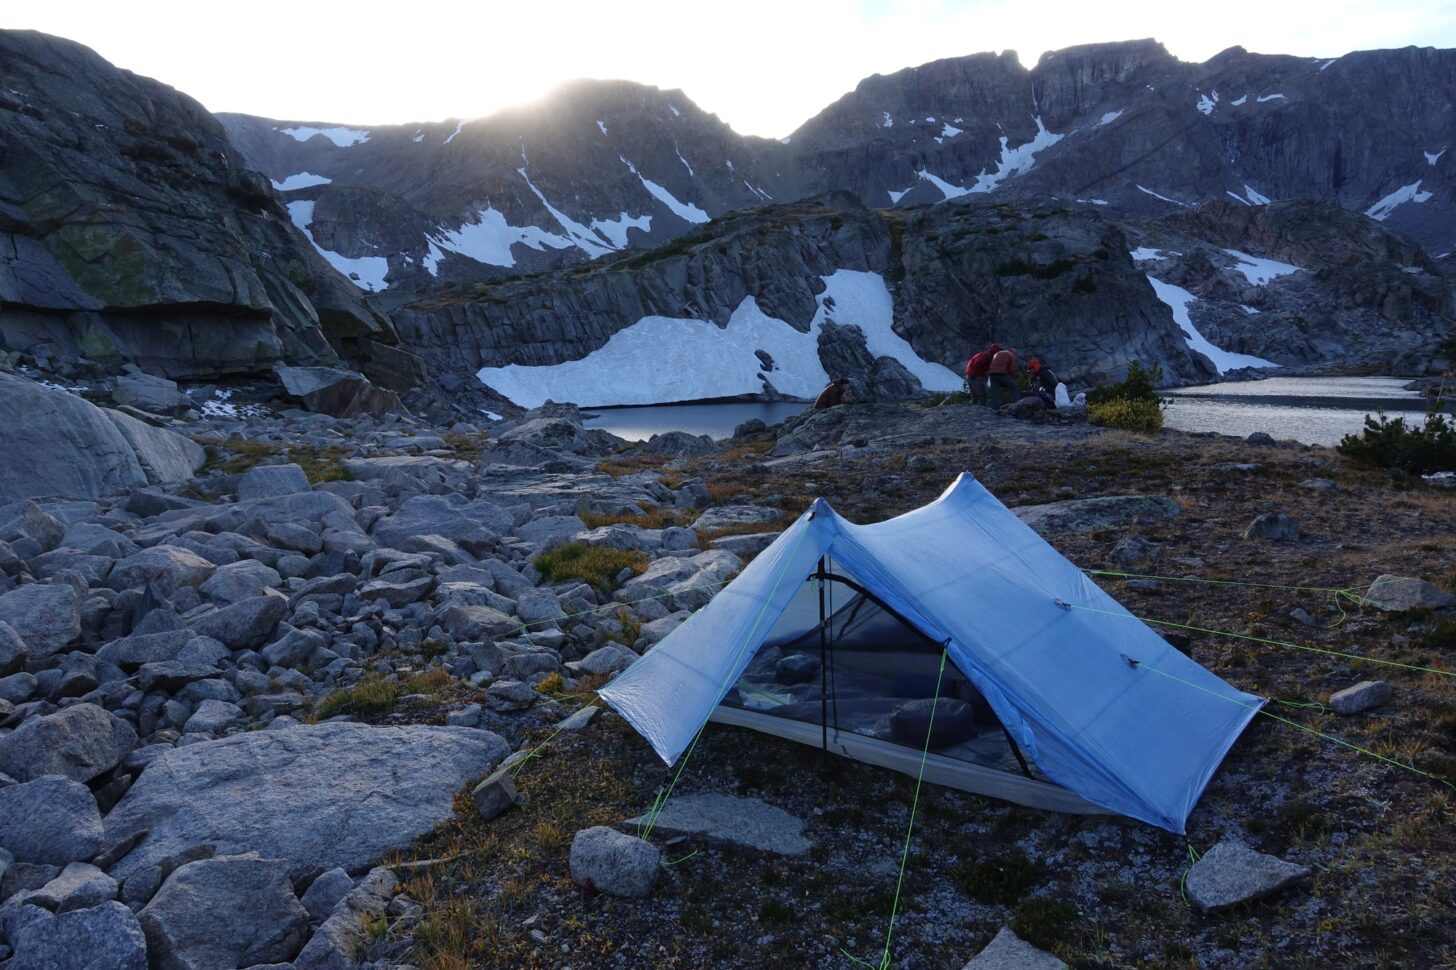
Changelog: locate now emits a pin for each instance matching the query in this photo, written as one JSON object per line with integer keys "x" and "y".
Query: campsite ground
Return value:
{"x": 1099, "y": 891}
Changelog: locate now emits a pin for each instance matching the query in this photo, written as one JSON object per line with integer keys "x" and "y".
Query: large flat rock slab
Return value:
{"x": 728, "y": 818}
{"x": 330, "y": 795}
{"x": 1092, "y": 514}
{"x": 1231, "y": 873}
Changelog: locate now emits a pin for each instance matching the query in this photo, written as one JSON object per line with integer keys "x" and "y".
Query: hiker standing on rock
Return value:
{"x": 1043, "y": 382}
{"x": 1003, "y": 371}
{"x": 832, "y": 394}
{"x": 976, "y": 370}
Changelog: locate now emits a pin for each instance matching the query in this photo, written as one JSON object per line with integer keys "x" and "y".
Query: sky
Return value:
{"x": 763, "y": 66}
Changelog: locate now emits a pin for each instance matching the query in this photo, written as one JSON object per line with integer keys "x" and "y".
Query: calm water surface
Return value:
{"x": 1314, "y": 410}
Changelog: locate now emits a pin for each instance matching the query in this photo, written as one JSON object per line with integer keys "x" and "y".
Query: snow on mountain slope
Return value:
{"x": 664, "y": 359}
{"x": 1178, "y": 300}
{"x": 366, "y": 272}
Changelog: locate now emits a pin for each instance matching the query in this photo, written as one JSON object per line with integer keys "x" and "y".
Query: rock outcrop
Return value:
{"x": 133, "y": 231}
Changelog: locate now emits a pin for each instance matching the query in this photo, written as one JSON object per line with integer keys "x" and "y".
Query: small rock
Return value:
{"x": 510, "y": 695}
{"x": 494, "y": 795}
{"x": 324, "y": 893}
{"x": 1363, "y": 696}
{"x": 610, "y": 862}
{"x": 468, "y": 716}
{"x": 1133, "y": 552}
{"x": 608, "y": 659}
{"x": 1260, "y": 438}
{"x": 1010, "y": 952}
{"x": 79, "y": 886}
{"x": 78, "y": 742}
{"x": 1319, "y": 485}
{"x": 1301, "y": 616}
{"x": 1274, "y": 526}
{"x": 579, "y": 720}
{"x": 269, "y": 481}
{"x": 748, "y": 822}
{"x": 1396, "y": 594}
{"x": 1231, "y": 873}
{"x": 105, "y": 937}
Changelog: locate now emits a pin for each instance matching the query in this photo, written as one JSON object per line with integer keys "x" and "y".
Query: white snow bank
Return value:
{"x": 419, "y": 137}
{"x": 1142, "y": 254}
{"x": 1178, "y": 299}
{"x": 489, "y": 240}
{"x": 1163, "y": 197}
{"x": 581, "y": 237}
{"x": 1206, "y": 102}
{"x": 947, "y": 189}
{"x": 888, "y": 122}
{"x": 451, "y": 137}
{"x": 1381, "y": 210}
{"x": 1018, "y": 160}
{"x": 1433, "y": 159}
{"x": 1254, "y": 196}
{"x": 683, "y": 160}
{"x": 615, "y": 230}
{"x": 1108, "y": 118}
{"x": 1239, "y": 101}
{"x": 602, "y": 125}
{"x": 948, "y": 130}
{"x": 365, "y": 272}
{"x": 302, "y": 180}
{"x": 683, "y": 210}
{"x": 343, "y": 137}
{"x": 895, "y": 197}
{"x": 663, "y": 359}
{"x": 1272, "y": 97}
{"x": 1260, "y": 271}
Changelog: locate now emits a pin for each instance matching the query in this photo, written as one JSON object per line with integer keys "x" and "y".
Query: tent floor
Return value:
{"x": 939, "y": 769}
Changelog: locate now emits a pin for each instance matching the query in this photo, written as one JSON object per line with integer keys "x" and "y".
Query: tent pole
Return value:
{"x": 1016, "y": 750}
{"x": 820, "y": 576}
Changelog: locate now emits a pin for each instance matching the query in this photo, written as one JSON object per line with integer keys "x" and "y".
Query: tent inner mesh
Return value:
{"x": 875, "y": 667}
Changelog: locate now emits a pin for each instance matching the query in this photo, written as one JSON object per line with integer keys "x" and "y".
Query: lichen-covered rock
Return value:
{"x": 1231, "y": 873}
{"x": 78, "y": 742}
{"x": 608, "y": 861}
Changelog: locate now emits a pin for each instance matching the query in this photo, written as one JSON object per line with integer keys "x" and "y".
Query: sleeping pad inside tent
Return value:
{"x": 1045, "y": 691}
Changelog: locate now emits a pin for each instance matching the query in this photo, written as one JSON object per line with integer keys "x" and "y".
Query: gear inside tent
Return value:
{"x": 1044, "y": 690}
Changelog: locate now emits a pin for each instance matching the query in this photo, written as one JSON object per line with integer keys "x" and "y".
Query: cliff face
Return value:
{"x": 1049, "y": 280}
{"x": 132, "y": 231}
{"x": 602, "y": 167}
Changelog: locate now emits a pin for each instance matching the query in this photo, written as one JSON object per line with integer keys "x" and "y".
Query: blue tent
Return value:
{"x": 1099, "y": 711}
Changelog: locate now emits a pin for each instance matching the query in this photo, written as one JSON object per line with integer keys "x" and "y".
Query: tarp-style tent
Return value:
{"x": 1102, "y": 713}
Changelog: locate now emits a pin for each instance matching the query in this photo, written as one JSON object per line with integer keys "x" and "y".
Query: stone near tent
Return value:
{"x": 50, "y": 821}
{"x": 270, "y": 481}
{"x": 300, "y": 794}
{"x": 509, "y": 696}
{"x": 1274, "y": 526}
{"x": 607, "y": 861}
{"x": 104, "y": 937}
{"x": 1010, "y": 952}
{"x": 1133, "y": 552}
{"x": 1396, "y": 594}
{"x": 608, "y": 659}
{"x": 79, "y": 742}
{"x": 955, "y": 721}
{"x": 1320, "y": 485}
{"x": 1231, "y": 873}
{"x": 324, "y": 893}
{"x": 727, "y": 818}
{"x": 734, "y": 516}
{"x": 746, "y": 545}
{"x": 494, "y": 795}
{"x": 1093, "y": 514}
{"x": 797, "y": 668}
{"x": 1364, "y": 696}
{"x": 229, "y": 911}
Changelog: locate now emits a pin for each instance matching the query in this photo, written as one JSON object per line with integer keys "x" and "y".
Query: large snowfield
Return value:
{"x": 659, "y": 360}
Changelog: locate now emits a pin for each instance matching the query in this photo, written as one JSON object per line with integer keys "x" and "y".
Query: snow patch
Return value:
{"x": 895, "y": 197}
{"x": 419, "y": 137}
{"x": 1326, "y": 64}
{"x": 615, "y": 230}
{"x": 662, "y": 359}
{"x": 683, "y": 210}
{"x": 1258, "y": 270}
{"x": 458, "y": 129}
{"x": 1272, "y": 97}
{"x": 948, "y": 130}
{"x": 888, "y": 122}
{"x": 1108, "y": 118}
{"x": 602, "y": 125}
{"x": 1381, "y": 210}
{"x": 675, "y": 113}
{"x": 302, "y": 180}
{"x": 492, "y": 415}
{"x": 683, "y": 160}
{"x": 948, "y": 190}
{"x": 1178, "y": 300}
{"x": 1254, "y": 196}
{"x": 342, "y": 137}
{"x": 489, "y": 240}
{"x": 583, "y": 238}
{"x": 1433, "y": 159}
{"x": 1163, "y": 197}
{"x": 1237, "y": 197}
{"x": 1240, "y": 101}
{"x": 1015, "y": 161}
{"x": 1142, "y": 254}
{"x": 1207, "y": 102}
{"x": 365, "y": 272}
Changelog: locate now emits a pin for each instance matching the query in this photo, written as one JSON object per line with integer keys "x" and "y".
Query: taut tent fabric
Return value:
{"x": 1100, "y": 703}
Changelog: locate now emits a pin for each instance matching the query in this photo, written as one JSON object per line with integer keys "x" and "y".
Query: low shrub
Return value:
{"x": 371, "y": 696}
{"x": 597, "y": 565}
{"x": 1140, "y": 384}
{"x": 1002, "y": 880}
{"x": 1126, "y": 415}
{"x": 1044, "y": 923}
{"x": 1391, "y": 443}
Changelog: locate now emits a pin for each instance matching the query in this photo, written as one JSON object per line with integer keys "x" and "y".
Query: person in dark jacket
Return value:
{"x": 1043, "y": 382}
{"x": 832, "y": 394}
{"x": 977, "y": 369}
{"x": 1003, "y": 371}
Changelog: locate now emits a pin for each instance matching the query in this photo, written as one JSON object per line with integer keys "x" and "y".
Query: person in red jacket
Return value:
{"x": 1003, "y": 371}
{"x": 976, "y": 370}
